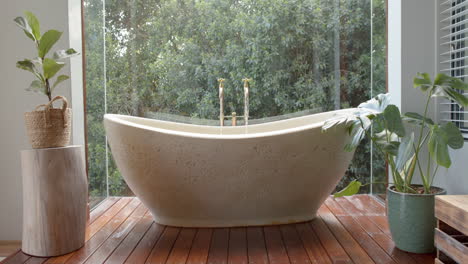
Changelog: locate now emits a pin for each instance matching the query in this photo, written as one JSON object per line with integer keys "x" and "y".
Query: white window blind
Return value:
{"x": 453, "y": 46}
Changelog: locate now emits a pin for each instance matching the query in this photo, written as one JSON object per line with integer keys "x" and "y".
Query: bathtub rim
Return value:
{"x": 116, "y": 118}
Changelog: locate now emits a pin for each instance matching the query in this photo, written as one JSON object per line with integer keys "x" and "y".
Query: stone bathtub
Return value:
{"x": 206, "y": 176}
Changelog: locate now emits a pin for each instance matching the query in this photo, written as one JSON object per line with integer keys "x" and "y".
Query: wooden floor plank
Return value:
{"x": 294, "y": 246}
{"x": 377, "y": 235}
{"x": 256, "y": 248}
{"x": 8, "y": 247}
{"x": 142, "y": 251}
{"x": 348, "y": 209}
{"x": 110, "y": 215}
{"x": 317, "y": 254}
{"x": 359, "y": 207}
{"x": 95, "y": 227}
{"x": 366, "y": 242}
{"x": 182, "y": 246}
{"x": 94, "y": 214}
{"x": 36, "y": 260}
{"x": 377, "y": 216}
{"x": 346, "y": 230}
{"x": 351, "y": 246}
{"x": 163, "y": 247}
{"x": 369, "y": 204}
{"x": 200, "y": 247}
{"x": 337, "y": 205}
{"x": 237, "y": 253}
{"x": 382, "y": 223}
{"x": 102, "y": 208}
{"x": 276, "y": 250}
{"x": 123, "y": 251}
{"x": 387, "y": 244}
{"x": 219, "y": 246}
{"x": 16, "y": 258}
{"x": 101, "y": 235}
{"x": 114, "y": 240}
{"x": 330, "y": 243}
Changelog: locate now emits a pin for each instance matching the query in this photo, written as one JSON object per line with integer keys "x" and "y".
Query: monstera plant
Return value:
{"x": 410, "y": 206}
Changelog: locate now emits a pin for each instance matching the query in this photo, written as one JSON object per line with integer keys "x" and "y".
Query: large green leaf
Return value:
{"x": 457, "y": 83}
{"x": 357, "y": 129}
{"x": 357, "y": 134}
{"x": 449, "y": 87}
{"x": 63, "y": 54}
{"x": 34, "y": 25}
{"x": 385, "y": 136}
{"x": 423, "y": 81}
{"x": 454, "y": 137}
{"x": 442, "y": 79}
{"x": 438, "y": 146}
{"x": 405, "y": 152}
{"x": 352, "y": 188}
{"x": 47, "y": 41}
{"x": 23, "y": 24}
{"x": 347, "y": 118}
{"x": 51, "y": 67}
{"x": 36, "y": 86}
{"x": 454, "y": 95}
{"x": 60, "y": 79}
{"x": 26, "y": 65}
{"x": 416, "y": 118}
{"x": 449, "y": 81}
{"x": 391, "y": 147}
{"x": 378, "y": 103}
{"x": 393, "y": 120}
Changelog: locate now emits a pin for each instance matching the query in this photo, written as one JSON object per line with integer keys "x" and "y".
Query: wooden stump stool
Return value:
{"x": 55, "y": 195}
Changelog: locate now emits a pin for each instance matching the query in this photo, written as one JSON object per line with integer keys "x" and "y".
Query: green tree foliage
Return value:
{"x": 166, "y": 56}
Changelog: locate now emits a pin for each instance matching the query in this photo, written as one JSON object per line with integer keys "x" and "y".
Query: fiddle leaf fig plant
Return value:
{"x": 402, "y": 149}
{"x": 43, "y": 68}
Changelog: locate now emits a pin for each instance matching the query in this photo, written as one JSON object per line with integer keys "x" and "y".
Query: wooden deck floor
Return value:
{"x": 348, "y": 230}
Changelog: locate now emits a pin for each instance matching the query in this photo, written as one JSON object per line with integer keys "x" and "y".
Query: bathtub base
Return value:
{"x": 200, "y": 223}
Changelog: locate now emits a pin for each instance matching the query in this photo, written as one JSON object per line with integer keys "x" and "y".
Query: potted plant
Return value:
{"x": 410, "y": 207}
{"x": 46, "y": 126}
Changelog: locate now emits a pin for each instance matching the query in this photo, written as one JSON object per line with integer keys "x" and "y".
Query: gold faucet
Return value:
{"x": 246, "y": 100}
{"x": 233, "y": 115}
{"x": 221, "y": 101}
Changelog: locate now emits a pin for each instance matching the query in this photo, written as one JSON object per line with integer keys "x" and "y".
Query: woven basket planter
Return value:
{"x": 49, "y": 127}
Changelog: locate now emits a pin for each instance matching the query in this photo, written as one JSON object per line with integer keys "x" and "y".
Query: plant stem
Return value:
{"x": 49, "y": 93}
{"x": 396, "y": 178}
{"x": 420, "y": 142}
{"x": 435, "y": 172}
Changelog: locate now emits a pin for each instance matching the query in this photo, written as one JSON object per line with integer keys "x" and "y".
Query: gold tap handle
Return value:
{"x": 234, "y": 119}
{"x": 246, "y": 82}
{"x": 221, "y": 82}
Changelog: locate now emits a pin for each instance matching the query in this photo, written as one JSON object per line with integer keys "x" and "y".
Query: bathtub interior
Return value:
{"x": 314, "y": 120}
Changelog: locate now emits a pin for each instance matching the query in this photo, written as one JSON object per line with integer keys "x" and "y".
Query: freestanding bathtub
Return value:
{"x": 206, "y": 176}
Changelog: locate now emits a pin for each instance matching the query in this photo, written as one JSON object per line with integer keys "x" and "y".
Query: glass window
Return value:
{"x": 162, "y": 58}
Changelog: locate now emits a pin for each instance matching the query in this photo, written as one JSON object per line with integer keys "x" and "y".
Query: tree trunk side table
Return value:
{"x": 55, "y": 196}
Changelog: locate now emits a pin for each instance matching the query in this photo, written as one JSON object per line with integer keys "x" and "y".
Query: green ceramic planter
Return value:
{"x": 412, "y": 221}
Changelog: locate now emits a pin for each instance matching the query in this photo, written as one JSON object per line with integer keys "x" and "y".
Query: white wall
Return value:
{"x": 412, "y": 48}
{"x": 14, "y": 45}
